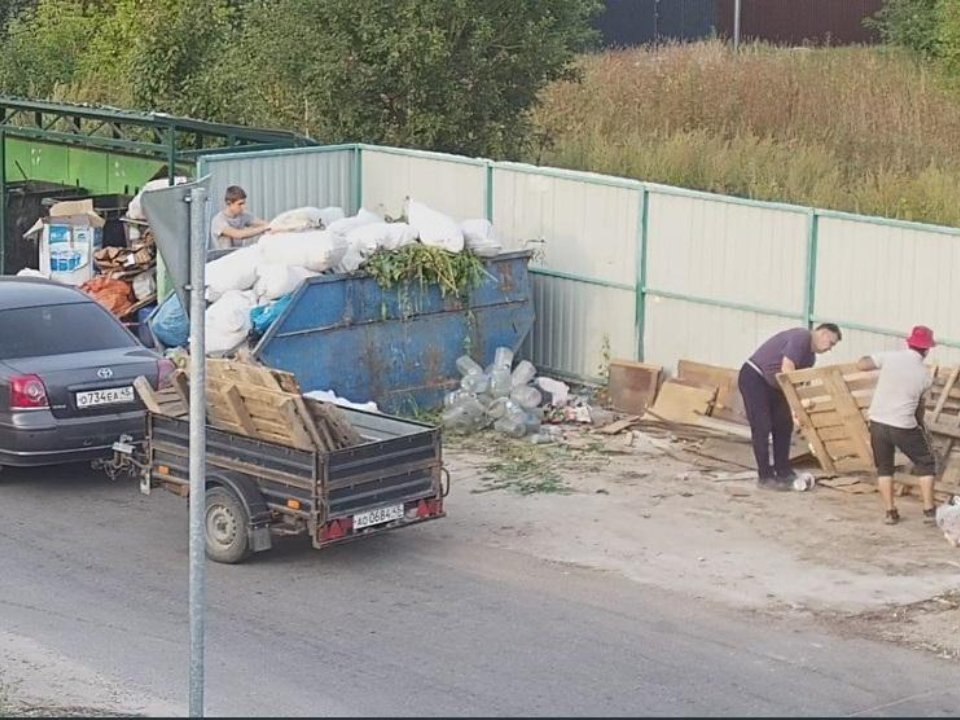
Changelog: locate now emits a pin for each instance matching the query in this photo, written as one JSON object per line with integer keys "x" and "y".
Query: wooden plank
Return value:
{"x": 619, "y": 426}
{"x": 852, "y": 418}
{"x": 827, "y": 403}
{"x": 840, "y": 449}
{"x": 235, "y": 402}
{"x": 345, "y": 435}
{"x": 180, "y": 384}
{"x": 807, "y": 426}
{"x": 837, "y": 432}
{"x": 299, "y": 435}
{"x": 725, "y": 426}
{"x": 825, "y": 420}
{"x": 681, "y": 403}
{"x": 147, "y": 396}
{"x": 632, "y": 386}
{"x": 816, "y": 373}
{"x": 944, "y": 396}
{"x": 319, "y": 441}
{"x": 729, "y": 403}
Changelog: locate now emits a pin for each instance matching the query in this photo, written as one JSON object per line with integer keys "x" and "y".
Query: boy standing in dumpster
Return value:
{"x": 767, "y": 409}
{"x": 233, "y": 226}
{"x": 896, "y": 418}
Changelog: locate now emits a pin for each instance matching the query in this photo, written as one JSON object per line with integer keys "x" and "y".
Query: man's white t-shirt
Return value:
{"x": 903, "y": 381}
{"x": 221, "y": 221}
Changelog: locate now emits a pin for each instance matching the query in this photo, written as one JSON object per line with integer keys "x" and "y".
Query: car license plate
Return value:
{"x": 110, "y": 396}
{"x": 377, "y": 517}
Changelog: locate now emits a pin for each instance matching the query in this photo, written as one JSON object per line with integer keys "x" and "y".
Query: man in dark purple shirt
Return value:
{"x": 767, "y": 409}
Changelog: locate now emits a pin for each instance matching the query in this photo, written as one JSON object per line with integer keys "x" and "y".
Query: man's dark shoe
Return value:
{"x": 892, "y": 517}
{"x": 773, "y": 484}
{"x": 930, "y": 516}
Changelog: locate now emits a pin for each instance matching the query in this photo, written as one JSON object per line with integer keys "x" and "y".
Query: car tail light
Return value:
{"x": 27, "y": 392}
{"x": 165, "y": 368}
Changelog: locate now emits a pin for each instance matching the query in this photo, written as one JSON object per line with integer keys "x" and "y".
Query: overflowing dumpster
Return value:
{"x": 397, "y": 346}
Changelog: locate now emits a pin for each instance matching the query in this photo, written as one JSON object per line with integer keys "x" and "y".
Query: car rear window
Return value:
{"x": 58, "y": 330}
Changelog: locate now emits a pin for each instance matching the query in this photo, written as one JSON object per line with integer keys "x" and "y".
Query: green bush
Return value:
{"x": 909, "y": 23}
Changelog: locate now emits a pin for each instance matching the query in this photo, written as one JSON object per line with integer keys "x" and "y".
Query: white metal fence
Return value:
{"x": 644, "y": 271}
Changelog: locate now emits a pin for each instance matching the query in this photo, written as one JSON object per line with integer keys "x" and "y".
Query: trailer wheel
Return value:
{"x": 226, "y": 525}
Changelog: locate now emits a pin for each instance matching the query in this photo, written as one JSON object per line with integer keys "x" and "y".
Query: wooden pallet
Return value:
{"x": 257, "y": 402}
{"x": 831, "y": 404}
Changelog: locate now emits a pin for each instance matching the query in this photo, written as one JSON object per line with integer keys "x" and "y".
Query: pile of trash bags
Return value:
{"x": 248, "y": 288}
{"x": 509, "y": 398}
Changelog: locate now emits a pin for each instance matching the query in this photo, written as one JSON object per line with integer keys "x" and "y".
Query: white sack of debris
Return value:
{"x": 435, "y": 228}
{"x": 481, "y": 238}
{"x": 234, "y": 271}
{"x": 345, "y": 225}
{"x": 228, "y": 321}
{"x": 315, "y": 250}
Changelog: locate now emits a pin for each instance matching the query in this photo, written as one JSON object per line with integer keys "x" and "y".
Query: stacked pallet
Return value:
{"x": 257, "y": 402}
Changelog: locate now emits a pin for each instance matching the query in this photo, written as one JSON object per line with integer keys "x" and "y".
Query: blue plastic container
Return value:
{"x": 397, "y": 347}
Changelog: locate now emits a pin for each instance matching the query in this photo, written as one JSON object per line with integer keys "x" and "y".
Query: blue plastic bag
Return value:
{"x": 170, "y": 324}
{"x": 263, "y": 316}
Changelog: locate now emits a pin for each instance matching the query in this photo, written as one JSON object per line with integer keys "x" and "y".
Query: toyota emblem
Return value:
{"x": 104, "y": 373}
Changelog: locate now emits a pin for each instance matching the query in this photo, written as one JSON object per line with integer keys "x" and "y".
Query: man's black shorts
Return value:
{"x": 885, "y": 440}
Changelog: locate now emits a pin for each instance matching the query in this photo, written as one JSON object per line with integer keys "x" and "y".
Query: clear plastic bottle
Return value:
{"x": 503, "y": 357}
{"x": 526, "y": 396}
{"x": 475, "y": 383}
{"x": 500, "y": 384}
{"x": 467, "y": 365}
{"x": 497, "y": 408}
{"x": 523, "y": 373}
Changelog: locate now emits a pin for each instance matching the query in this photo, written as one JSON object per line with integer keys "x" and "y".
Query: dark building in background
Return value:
{"x": 787, "y": 22}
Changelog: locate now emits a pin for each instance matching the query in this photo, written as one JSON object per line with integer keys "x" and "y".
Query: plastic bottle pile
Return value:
{"x": 500, "y": 395}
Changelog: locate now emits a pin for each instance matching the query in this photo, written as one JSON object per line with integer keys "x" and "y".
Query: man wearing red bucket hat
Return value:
{"x": 896, "y": 418}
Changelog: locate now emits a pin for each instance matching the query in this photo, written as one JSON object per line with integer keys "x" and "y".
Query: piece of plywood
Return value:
{"x": 729, "y": 403}
{"x": 683, "y": 403}
{"x": 632, "y": 386}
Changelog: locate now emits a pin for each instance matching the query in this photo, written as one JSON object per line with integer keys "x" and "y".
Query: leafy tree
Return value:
{"x": 44, "y": 44}
{"x": 454, "y": 75}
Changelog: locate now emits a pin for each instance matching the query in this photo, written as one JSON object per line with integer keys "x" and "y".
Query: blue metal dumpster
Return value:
{"x": 397, "y": 347}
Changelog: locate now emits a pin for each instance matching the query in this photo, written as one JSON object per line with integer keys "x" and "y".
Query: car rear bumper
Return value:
{"x": 37, "y": 438}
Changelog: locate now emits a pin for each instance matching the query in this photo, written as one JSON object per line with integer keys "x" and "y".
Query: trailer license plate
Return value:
{"x": 377, "y": 517}
{"x": 110, "y": 396}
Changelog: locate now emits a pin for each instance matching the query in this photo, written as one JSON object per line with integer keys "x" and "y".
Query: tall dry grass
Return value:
{"x": 867, "y": 130}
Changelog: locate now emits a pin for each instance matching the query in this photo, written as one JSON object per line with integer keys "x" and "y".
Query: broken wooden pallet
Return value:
{"x": 257, "y": 402}
{"x": 830, "y": 404}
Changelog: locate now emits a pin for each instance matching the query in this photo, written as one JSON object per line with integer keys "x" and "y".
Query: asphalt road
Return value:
{"x": 417, "y": 622}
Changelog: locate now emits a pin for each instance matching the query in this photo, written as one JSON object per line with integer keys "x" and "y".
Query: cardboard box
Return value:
{"x": 70, "y": 236}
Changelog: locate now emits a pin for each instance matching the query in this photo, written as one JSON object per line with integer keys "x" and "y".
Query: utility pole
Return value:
{"x": 736, "y": 25}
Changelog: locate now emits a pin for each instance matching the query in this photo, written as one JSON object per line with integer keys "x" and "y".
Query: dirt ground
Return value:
{"x": 641, "y": 505}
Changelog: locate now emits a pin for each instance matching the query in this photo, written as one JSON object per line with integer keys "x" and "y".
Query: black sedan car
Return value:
{"x": 67, "y": 368}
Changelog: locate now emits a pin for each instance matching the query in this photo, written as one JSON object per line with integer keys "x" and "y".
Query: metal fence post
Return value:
{"x": 488, "y": 190}
{"x": 640, "y": 290}
{"x": 810, "y": 294}
{"x": 736, "y": 24}
{"x": 357, "y": 177}
{"x": 3, "y": 202}
{"x": 198, "y": 447}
